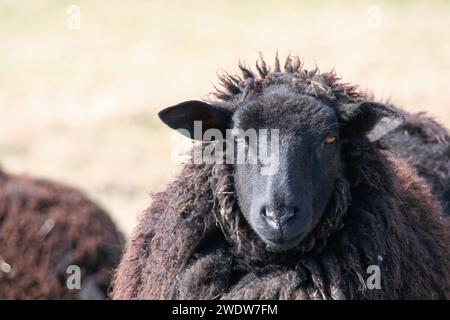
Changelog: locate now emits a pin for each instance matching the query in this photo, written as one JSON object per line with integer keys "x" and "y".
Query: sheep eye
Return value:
{"x": 329, "y": 139}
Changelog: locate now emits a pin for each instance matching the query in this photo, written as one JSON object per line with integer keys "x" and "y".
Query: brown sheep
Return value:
{"x": 46, "y": 227}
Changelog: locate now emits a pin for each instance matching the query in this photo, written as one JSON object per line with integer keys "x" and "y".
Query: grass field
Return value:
{"x": 79, "y": 105}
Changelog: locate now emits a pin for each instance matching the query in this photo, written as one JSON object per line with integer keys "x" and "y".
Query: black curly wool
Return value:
{"x": 425, "y": 145}
{"x": 194, "y": 242}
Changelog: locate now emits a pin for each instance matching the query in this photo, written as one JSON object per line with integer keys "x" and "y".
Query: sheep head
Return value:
{"x": 291, "y": 127}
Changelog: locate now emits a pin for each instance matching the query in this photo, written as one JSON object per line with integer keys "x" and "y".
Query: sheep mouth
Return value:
{"x": 282, "y": 244}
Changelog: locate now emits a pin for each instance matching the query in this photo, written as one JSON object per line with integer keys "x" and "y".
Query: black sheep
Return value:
{"x": 338, "y": 204}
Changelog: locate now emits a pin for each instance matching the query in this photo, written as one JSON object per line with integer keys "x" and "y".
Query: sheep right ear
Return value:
{"x": 372, "y": 119}
{"x": 193, "y": 118}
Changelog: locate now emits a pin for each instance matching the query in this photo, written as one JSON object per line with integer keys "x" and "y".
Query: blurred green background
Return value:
{"x": 81, "y": 81}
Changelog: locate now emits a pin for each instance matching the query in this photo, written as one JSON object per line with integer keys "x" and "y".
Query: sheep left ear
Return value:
{"x": 374, "y": 120}
{"x": 183, "y": 117}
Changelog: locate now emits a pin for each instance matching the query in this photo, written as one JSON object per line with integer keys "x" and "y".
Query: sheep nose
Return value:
{"x": 278, "y": 219}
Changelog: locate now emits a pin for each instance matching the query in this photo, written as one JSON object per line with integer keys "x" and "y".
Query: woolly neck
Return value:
{"x": 246, "y": 244}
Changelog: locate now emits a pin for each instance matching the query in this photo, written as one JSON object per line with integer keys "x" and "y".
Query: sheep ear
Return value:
{"x": 374, "y": 120}
{"x": 193, "y": 118}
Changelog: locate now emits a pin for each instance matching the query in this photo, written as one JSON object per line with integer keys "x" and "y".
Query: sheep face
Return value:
{"x": 284, "y": 205}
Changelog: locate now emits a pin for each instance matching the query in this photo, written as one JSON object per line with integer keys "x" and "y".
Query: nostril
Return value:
{"x": 293, "y": 212}
{"x": 281, "y": 216}
{"x": 268, "y": 213}
{"x": 290, "y": 214}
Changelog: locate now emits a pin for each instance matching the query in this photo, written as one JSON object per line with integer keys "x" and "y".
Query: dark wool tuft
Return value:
{"x": 194, "y": 243}
{"x": 44, "y": 228}
{"x": 326, "y": 85}
{"x": 425, "y": 145}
